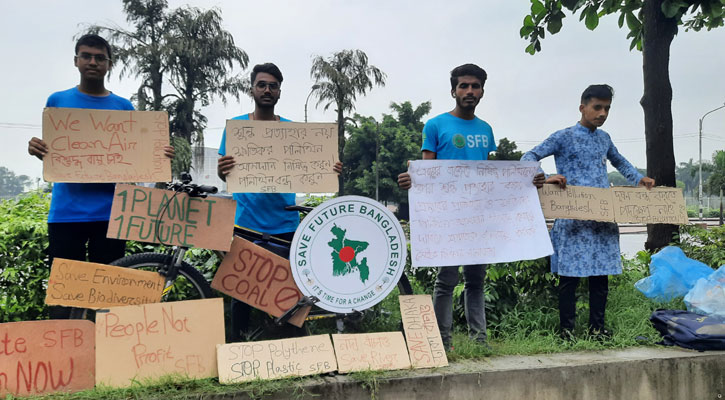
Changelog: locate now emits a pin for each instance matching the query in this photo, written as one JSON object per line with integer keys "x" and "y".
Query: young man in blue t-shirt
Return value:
{"x": 260, "y": 214}
{"x": 79, "y": 212}
{"x": 459, "y": 135}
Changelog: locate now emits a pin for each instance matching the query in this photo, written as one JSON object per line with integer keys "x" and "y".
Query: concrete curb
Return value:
{"x": 637, "y": 373}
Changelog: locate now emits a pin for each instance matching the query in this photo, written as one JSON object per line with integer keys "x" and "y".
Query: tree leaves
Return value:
{"x": 398, "y": 138}
{"x": 186, "y": 48}
{"x": 537, "y": 7}
{"x": 342, "y": 77}
{"x": 673, "y": 8}
{"x": 591, "y": 20}
{"x": 632, "y": 22}
{"x": 10, "y": 184}
{"x": 547, "y": 15}
{"x": 555, "y": 22}
{"x": 23, "y": 270}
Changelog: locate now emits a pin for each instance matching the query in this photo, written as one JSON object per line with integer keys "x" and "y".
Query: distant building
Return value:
{"x": 203, "y": 172}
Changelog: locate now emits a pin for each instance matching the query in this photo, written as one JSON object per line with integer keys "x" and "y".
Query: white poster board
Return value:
{"x": 475, "y": 212}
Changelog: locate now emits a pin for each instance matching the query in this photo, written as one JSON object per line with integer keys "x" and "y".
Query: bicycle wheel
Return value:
{"x": 190, "y": 284}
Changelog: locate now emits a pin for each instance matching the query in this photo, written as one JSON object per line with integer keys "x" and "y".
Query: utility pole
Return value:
{"x": 314, "y": 87}
{"x": 377, "y": 168}
{"x": 699, "y": 191}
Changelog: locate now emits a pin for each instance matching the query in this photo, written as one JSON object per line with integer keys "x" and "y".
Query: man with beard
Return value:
{"x": 459, "y": 135}
{"x": 260, "y": 215}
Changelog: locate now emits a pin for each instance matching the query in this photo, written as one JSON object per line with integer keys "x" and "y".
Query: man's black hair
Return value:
{"x": 467, "y": 69}
{"x": 603, "y": 91}
{"x": 267, "y": 68}
{"x": 95, "y": 41}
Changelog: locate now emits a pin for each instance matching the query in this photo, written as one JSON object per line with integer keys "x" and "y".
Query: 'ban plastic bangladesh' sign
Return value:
{"x": 349, "y": 252}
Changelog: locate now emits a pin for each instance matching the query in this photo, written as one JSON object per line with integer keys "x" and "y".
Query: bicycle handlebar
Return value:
{"x": 193, "y": 190}
{"x": 304, "y": 209}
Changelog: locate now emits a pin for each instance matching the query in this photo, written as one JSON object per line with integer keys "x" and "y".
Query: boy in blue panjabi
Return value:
{"x": 585, "y": 248}
{"x": 79, "y": 212}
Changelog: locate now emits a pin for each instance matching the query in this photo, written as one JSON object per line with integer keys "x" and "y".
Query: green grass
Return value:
{"x": 530, "y": 328}
{"x": 168, "y": 388}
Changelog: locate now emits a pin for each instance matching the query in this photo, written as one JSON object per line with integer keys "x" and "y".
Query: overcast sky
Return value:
{"x": 416, "y": 43}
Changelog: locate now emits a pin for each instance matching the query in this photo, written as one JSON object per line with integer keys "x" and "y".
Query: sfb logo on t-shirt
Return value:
{"x": 472, "y": 141}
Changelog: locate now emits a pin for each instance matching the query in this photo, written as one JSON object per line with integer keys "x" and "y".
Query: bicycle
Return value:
{"x": 184, "y": 282}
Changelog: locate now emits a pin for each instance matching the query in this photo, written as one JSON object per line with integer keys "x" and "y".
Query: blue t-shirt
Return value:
{"x": 263, "y": 212}
{"x": 453, "y": 138}
{"x": 83, "y": 202}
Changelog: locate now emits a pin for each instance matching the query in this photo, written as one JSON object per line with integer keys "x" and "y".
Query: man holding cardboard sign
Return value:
{"x": 79, "y": 212}
{"x": 585, "y": 248}
{"x": 459, "y": 135}
{"x": 261, "y": 213}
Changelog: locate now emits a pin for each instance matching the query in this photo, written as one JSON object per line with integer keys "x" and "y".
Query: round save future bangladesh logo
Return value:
{"x": 349, "y": 252}
{"x": 459, "y": 141}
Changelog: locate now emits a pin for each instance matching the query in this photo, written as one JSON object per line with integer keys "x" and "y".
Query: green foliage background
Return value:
{"x": 23, "y": 257}
{"x": 522, "y": 292}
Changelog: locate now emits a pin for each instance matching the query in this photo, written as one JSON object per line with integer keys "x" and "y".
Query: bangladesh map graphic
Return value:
{"x": 343, "y": 255}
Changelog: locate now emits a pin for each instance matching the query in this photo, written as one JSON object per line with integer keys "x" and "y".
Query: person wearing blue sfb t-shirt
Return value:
{"x": 79, "y": 212}
{"x": 262, "y": 213}
{"x": 460, "y": 135}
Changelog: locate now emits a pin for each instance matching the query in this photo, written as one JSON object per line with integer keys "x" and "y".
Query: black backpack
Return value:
{"x": 689, "y": 330}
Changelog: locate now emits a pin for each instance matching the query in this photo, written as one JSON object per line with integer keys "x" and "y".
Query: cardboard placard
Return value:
{"x": 89, "y": 285}
{"x": 284, "y": 157}
{"x": 261, "y": 279}
{"x": 275, "y": 359}
{"x": 374, "y": 351}
{"x": 422, "y": 336}
{"x": 105, "y": 145}
{"x": 41, "y": 357}
{"x": 577, "y": 202}
{"x": 660, "y": 205}
{"x": 621, "y": 204}
{"x": 186, "y": 221}
{"x": 134, "y": 343}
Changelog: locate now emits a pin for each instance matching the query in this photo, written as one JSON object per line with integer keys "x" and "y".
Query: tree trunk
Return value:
{"x": 341, "y": 146}
{"x": 657, "y": 35}
{"x": 156, "y": 82}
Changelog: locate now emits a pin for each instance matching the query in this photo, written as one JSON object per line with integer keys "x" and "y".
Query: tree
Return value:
{"x": 652, "y": 26}
{"x": 617, "y": 179}
{"x": 342, "y": 77}
{"x": 201, "y": 56}
{"x": 12, "y": 185}
{"x": 506, "y": 151}
{"x": 141, "y": 51}
{"x": 187, "y": 48}
{"x": 398, "y": 139}
{"x": 688, "y": 173}
{"x": 716, "y": 180}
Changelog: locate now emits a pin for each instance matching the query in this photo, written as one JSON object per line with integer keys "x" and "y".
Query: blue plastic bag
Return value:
{"x": 672, "y": 275}
{"x": 708, "y": 295}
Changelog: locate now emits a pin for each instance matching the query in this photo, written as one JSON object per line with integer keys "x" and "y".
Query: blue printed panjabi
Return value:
{"x": 584, "y": 248}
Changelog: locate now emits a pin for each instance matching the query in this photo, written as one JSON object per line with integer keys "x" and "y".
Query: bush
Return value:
{"x": 507, "y": 285}
{"x": 693, "y": 212}
{"x": 23, "y": 257}
{"x": 706, "y": 245}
